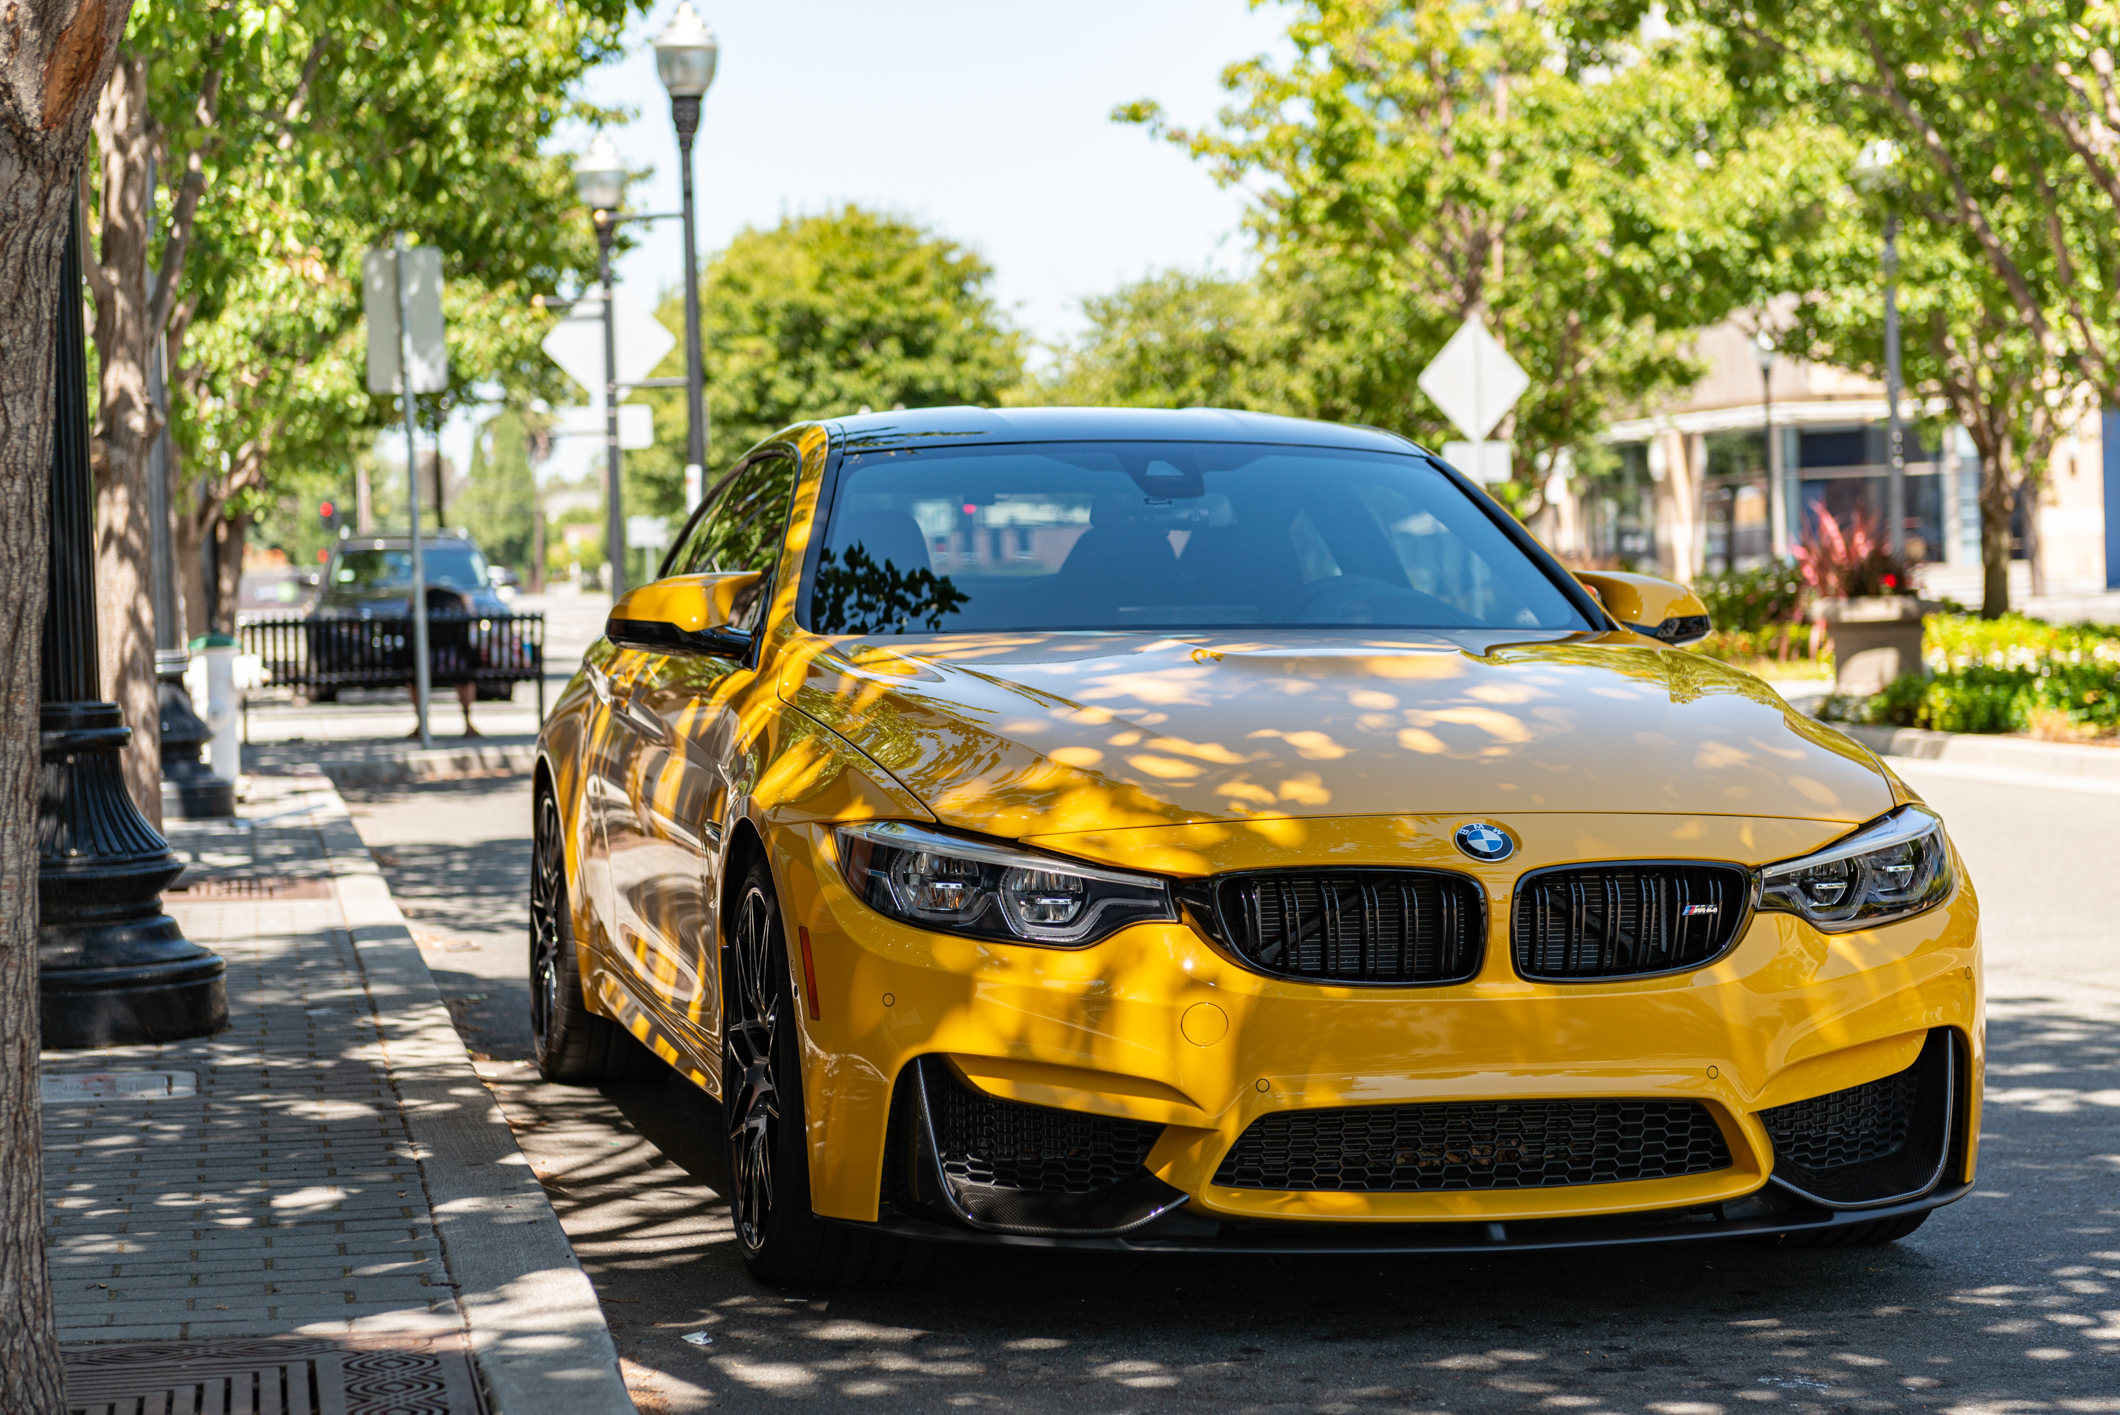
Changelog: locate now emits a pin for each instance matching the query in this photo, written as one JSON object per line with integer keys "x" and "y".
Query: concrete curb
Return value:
{"x": 536, "y": 1329}
{"x": 433, "y": 764}
{"x": 2101, "y": 764}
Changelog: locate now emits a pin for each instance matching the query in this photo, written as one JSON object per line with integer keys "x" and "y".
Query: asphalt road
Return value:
{"x": 2006, "y": 1302}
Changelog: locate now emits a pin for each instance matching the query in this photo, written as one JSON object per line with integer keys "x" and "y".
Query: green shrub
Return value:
{"x": 1748, "y": 601}
{"x": 1953, "y": 641}
{"x": 2084, "y": 697}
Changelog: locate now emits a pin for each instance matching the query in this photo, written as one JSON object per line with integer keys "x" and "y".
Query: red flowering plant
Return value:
{"x": 1851, "y": 561}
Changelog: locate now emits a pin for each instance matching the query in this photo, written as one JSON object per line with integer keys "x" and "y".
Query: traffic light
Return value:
{"x": 328, "y": 512}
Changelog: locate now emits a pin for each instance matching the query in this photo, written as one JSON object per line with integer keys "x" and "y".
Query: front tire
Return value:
{"x": 782, "y": 1240}
{"x": 572, "y": 1045}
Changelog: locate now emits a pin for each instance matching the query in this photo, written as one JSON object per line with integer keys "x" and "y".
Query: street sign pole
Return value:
{"x": 420, "y": 666}
{"x": 614, "y": 511}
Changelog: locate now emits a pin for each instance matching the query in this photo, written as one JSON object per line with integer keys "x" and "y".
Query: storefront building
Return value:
{"x": 1745, "y": 466}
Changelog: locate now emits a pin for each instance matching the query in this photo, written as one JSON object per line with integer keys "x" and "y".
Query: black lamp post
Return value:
{"x": 1877, "y": 169}
{"x": 189, "y": 790}
{"x": 685, "y": 55}
{"x": 112, "y": 968}
{"x": 600, "y": 181}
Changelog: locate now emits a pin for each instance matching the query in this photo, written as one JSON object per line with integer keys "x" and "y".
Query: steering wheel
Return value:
{"x": 1365, "y": 599}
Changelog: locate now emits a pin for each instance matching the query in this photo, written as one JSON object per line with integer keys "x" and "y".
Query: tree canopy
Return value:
{"x": 1420, "y": 163}
{"x": 821, "y": 316}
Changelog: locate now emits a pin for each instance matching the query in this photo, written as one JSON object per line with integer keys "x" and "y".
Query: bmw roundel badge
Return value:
{"x": 1485, "y": 842}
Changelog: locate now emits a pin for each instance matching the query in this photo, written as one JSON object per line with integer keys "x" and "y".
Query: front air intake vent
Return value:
{"x": 1584, "y": 923}
{"x": 1442, "y": 1146}
{"x": 1878, "y": 1143}
{"x": 1374, "y": 926}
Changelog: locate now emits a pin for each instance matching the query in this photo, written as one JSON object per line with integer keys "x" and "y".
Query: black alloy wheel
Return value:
{"x": 783, "y": 1241}
{"x": 572, "y": 1044}
{"x": 749, "y": 1064}
{"x": 548, "y": 892}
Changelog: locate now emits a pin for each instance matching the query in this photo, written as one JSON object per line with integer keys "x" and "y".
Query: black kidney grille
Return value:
{"x": 1855, "y": 1126}
{"x": 1356, "y": 926}
{"x": 1475, "y": 1145}
{"x": 1009, "y": 1145}
{"x": 1621, "y": 921}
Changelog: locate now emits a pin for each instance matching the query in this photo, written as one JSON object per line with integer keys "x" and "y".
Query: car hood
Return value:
{"x": 1035, "y": 734}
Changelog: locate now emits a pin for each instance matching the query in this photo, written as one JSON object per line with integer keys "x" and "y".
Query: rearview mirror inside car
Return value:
{"x": 689, "y": 614}
{"x": 1659, "y": 608}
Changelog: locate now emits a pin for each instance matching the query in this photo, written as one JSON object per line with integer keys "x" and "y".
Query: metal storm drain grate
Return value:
{"x": 394, "y": 1375}
{"x": 214, "y": 887}
{"x": 118, "y": 1086}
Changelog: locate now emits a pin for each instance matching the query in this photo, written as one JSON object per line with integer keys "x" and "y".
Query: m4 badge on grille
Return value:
{"x": 1691, "y": 909}
{"x": 1485, "y": 842}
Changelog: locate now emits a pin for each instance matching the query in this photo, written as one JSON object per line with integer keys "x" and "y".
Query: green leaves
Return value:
{"x": 312, "y": 129}
{"x": 822, "y": 316}
{"x": 1422, "y": 162}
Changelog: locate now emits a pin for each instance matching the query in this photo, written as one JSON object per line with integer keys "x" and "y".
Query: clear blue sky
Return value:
{"x": 988, "y": 120}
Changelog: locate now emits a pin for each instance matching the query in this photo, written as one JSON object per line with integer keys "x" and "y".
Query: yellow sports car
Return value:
{"x": 1180, "y": 831}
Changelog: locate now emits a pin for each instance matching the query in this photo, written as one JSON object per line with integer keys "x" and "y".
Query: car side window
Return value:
{"x": 742, "y": 524}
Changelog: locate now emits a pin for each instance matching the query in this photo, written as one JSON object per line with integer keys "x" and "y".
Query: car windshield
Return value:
{"x": 460, "y": 567}
{"x": 1169, "y": 536}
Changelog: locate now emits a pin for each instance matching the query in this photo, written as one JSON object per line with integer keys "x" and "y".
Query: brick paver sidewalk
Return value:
{"x": 269, "y": 1181}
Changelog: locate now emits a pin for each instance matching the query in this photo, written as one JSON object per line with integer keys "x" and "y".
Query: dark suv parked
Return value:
{"x": 359, "y": 629}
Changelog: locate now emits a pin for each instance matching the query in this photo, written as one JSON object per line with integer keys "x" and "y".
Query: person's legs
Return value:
{"x": 465, "y": 691}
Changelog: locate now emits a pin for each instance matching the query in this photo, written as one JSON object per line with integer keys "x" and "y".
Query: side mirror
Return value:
{"x": 687, "y": 614}
{"x": 1658, "y": 608}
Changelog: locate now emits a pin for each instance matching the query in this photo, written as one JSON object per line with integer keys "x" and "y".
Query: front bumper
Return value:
{"x": 1156, "y": 1026}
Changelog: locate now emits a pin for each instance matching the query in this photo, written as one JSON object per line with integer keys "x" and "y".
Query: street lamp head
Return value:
{"x": 1877, "y": 167}
{"x": 600, "y": 177}
{"x": 685, "y": 54}
{"x": 1763, "y": 351}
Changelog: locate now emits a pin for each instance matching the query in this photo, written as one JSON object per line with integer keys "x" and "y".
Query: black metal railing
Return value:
{"x": 320, "y": 656}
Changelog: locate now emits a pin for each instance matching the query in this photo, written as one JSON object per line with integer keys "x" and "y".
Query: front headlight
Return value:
{"x": 1893, "y": 868}
{"x": 989, "y": 890}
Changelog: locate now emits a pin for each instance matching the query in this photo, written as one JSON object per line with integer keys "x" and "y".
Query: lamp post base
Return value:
{"x": 112, "y": 968}
{"x": 190, "y": 790}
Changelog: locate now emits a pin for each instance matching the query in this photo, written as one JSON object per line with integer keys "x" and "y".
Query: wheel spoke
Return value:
{"x": 547, "y": 902}
{"x": 750, "y": 1088}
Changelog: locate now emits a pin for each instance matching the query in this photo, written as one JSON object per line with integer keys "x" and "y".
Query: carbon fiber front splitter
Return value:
{"x": 1772, "y": 1210}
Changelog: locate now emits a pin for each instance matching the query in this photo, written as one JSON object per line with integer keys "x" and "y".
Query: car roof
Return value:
{"x": 393, "y": 540}
{"x": 959, "y": 426}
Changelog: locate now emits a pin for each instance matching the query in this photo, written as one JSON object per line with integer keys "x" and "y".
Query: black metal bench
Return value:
{"x": 320, "y": 656}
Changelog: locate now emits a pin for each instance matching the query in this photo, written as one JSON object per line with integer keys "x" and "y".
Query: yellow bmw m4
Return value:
{"x": 1202, "y": 831}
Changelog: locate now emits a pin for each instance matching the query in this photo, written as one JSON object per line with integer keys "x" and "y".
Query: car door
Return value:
{"x": 671, "y": 748}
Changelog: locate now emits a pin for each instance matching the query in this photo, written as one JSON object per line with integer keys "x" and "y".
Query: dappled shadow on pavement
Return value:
{"x": 466, "y": 897}
{"x": 2008, "y": 1301}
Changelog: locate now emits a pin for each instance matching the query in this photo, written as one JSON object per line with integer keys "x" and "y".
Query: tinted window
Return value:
{"x": 1165, "y": 536}
{"x": 460, "y": 567}
{"x": 741, "y": 527}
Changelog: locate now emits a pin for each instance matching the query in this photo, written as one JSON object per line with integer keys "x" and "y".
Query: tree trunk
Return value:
{"x": 229, "y": 534}
{"x": 1997, "y": 500}
{"x": 53, "y": 60}
{"x": 126, "y": 424}
{"x": 2034, "y": 548}
{"x": 189, "y": 548}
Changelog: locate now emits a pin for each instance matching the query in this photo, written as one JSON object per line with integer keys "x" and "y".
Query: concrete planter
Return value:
{"x": 1875, "y": 639}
